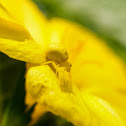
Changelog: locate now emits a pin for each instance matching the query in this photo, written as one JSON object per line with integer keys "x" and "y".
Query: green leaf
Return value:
{"x": 9, "y": 69}
{"x": 6, "y": 62}
{"x": 14, "y": 113}
{"x": 106, "y": 18}
{"x": 48, "y": 119}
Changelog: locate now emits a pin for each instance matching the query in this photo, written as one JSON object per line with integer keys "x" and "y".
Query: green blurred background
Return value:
{"x": 106, "y": 18}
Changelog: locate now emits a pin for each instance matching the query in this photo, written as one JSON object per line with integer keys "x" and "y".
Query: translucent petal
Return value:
{"x": 28, "y": 14}
{"x": 35, "y": 22}
{"x": 94, "y": 64}
{"x": 12, "y": 30}
{"x": 5, "y": 14}
{"x": 13, "y": 8}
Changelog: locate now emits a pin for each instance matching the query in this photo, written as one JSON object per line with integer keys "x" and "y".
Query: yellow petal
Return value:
{"x": 35, "y": 22}
{"x": 46, "y": 78}
{"x": 5, "y": 14}
{"x": 42, "y": 84}
{"x": 39, "y": 110}
{"x": 80, "y": 109}
{"x": 115, "y": 98}
{"x": 28, "y": 14}
{"x": 103, "y": 111}
{"x": 12, "y": 30}
{"x": 94, "y": 64}
{"x": 13, "y": 8}
{"x": 18, "y": 44}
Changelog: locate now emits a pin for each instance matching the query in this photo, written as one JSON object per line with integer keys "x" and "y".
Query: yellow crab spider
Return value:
{"x": 48, "y": 73}
{"x": 57, "y": 56}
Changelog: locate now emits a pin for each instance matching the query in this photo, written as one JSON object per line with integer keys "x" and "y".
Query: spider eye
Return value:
{"x": 66, "y": 65}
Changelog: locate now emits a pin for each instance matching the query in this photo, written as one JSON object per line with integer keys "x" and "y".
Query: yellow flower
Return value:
{"x": 94, "y": 95}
